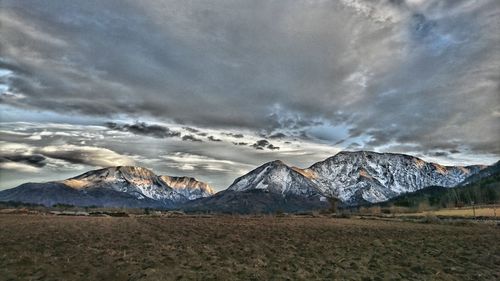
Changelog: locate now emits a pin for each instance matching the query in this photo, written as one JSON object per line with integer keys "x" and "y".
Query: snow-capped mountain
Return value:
{"x": 354, "y": 177}
{"x": 122, "y": 182}
{"x": 188, "y": 187}
{"x": 136, "y": 181}
{"x": 271, "y": 187}
{"x": 51, "y": 193}
{"x": 484, "y": 173}
{"x": 276, "y": 177}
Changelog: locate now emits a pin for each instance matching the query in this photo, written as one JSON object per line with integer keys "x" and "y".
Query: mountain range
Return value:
{"x": 352, "y": 177}
{"x": 478, "y": 189}
{"x": 121, "y": 186}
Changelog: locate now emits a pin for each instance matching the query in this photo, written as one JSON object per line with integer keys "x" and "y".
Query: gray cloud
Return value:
{"x": 262, "y": 144}
{"x": 192, "y": 130}
{"x": 35, "y": 160}
{"x": 405, "y": 76}
{"x": 440, "y": 153}
{"x": 277, "y": 136}
{"x": 212, "y": 138}
{"x": 141, "y": 128}
{"x": 87, "y": 155}
{"x": 273, "y": 147}
{"x": 191, "y": 138}
{"x": 238, "y": 136}
{"x": 73, "y": 149}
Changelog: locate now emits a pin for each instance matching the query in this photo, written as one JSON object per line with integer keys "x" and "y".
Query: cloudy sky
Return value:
{"x": 212, "y": 89}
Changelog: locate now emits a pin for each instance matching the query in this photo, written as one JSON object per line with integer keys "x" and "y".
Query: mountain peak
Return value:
{"x": 116, "y": 171}
{"x": 354, "y": 176}
{"x": 275, "y": 177}
{"x": 188, "y": 185}
{"x": 141, "y": 183}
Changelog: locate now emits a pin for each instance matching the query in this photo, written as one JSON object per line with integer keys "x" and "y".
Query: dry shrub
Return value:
{"x": 375, "y": 210}
{"x": 424, "y": 206}
{"x": 315, "y": 214}
{"x": 430, "y": 217}
{"x": 399, "y": 210}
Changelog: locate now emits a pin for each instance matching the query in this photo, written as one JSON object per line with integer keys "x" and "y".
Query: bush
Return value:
{"x": 280, "y": 213}
{"x": 424, "y": 206}
{"x": 431, "y": 218}
{"x": 63, "y": 206}
{"x": 399, "y": 210}
{"x": 343, "y": 215}
{"x": 375, "y": 210}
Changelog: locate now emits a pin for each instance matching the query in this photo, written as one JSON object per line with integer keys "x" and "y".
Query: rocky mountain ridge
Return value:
{"x": 130, "y": 182}
{"x": 352, "y": 177}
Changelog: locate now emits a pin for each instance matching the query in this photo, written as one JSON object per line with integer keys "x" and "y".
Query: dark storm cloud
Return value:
{"x": 440, "y": 153}
{"x": 238, "y": 136}
{"x": 195, "y": 131}
{"x": 240, "y": 143}
{"x": 262, "y": 144}
{"x": 272, "y": 147}
{"x": 34, "y": 160}
{"x": 212, "y": 138}
{"x": 191, "y": 138}
{"x": 192, "y": 130}
{"x": 277, "y": 136}
{"x": 142, "y": 128}
{"x": 395, "y": 72}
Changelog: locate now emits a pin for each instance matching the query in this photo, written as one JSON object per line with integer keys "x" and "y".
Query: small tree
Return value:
{"x": 423, "y": 206}
{"x": 334, "y": 204}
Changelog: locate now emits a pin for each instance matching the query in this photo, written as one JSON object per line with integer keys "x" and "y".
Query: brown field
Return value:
{"x": 462, "y": 212}
{"x": 36, "y": 247}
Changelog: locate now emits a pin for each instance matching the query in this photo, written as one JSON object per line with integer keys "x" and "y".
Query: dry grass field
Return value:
{"x": 468, "y": 212}
{"x": 460, "y": 212}
{"x": 36, "y": 247}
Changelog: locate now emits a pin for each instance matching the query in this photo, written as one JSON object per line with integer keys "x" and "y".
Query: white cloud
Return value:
{"x": 89, "y": 155}
{"x": 19, "y": 167}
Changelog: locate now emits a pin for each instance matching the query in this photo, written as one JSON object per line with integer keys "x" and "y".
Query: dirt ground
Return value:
{"x": 36, "y": 247}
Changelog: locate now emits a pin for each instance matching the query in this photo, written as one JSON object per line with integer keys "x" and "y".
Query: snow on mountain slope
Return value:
{"x": 484, "y": 173}
{"x": 272, "y": 187}
{"x": 119, "y": 186}
{"x": 354, "y": 177}
{"x": 276, "y": 177}
{"x": 188, "y": 187}
{"x": 52, "y": 193}
{"x": 136, "y": 181}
